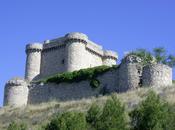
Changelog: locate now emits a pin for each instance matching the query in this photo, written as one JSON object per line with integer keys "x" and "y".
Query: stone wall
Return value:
{"x": 73, "y": 52}
{"x": 16, "y": 92}
{"x": 130, "y": 72}
{"x": 53, "y": 59}
{"x": 157, "y": 75}
{"x": 72, "y": 91}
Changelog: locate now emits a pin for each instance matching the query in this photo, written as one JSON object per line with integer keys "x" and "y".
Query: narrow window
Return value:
{"x": 62, "y": 61}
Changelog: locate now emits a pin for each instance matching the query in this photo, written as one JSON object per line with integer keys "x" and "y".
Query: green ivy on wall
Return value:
{"x": 77, "y": 76}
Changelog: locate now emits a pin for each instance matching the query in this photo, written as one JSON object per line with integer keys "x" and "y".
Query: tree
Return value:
{"x": 113, "y": 116}
{"x": 160, "y": 54}
{"x": 151, "y": 114}
{"x": 68, "y": 121}
{"x": 93, "y": 115}
{"x": 145, "y": 55}
{"x": 170, "y": 60}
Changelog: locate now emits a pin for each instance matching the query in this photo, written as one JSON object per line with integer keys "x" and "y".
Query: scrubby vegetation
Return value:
{"x": 17, "y": 126}
{"x": 152, "y": 113}
{"x": 68, "y": 121}
{"x": 77, "y": 76}
{"x": 158, "y": 55}
{"x": 173, "y": 81}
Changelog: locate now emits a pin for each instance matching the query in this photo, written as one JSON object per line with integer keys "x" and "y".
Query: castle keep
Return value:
{"x": 73, "y": 52}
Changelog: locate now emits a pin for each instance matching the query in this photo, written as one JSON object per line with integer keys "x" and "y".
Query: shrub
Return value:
{"x": 93, "y": 115}
{"x": 95, "y": 83}
{"x": 17, "y": 126}
{"x": 170, "y": 119}
{"x": 151, "y": 114}
{"x": 68, "y": 121}
{"x": 111, "y": 117}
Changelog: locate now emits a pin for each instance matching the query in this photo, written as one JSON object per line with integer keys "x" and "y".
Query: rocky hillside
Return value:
{"x": 37, "y": 115}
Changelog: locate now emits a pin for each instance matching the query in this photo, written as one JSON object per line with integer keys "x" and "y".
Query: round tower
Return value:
{"x": 75, "y": 51}
{"x": 110, "y": 58}
{"x": 33, "y": 60}
{"x": 157, "y": 75}
{"x": 130, "y": 71}
{"x": 16, "y": 93}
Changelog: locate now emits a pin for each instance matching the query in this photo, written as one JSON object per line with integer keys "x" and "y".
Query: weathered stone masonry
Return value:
{"x": 73, "y": 52}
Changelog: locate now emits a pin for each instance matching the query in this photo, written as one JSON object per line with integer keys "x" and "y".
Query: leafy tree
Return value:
{"x": 170, "y": 60}
{"x": 151, "y": 114}
{"x": 68, "y": 121}
{"x": 160, "y": 54}
{"x": 113, "y": 116}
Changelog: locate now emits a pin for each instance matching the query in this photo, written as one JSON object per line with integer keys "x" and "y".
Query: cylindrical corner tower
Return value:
{"x": 16, "y": 93}
{"x": 75, "y": 51}
{"x": 110, "y": 58}
{"x": 157, "y": 75}
{"x": 130, "y": 71}
{"x": 33, "y": 60}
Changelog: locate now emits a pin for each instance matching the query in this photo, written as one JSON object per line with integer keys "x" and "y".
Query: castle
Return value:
{"x": 73, "y": 52}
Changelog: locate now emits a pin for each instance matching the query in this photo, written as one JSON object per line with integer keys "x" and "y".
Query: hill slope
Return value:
{"x": 37, "y": 115}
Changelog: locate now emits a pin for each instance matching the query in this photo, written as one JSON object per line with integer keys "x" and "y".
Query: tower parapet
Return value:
{"x": 110, "y": 58}
{"x": 16, "y": 92}
{"x": 33, "y": 60}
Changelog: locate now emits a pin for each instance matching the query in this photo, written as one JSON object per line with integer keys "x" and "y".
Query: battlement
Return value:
{"x": 34, "y": 47}
{"x": 54, "y": 44}
{"x": 74, "y": 52}
{"x": 16, "y": 81}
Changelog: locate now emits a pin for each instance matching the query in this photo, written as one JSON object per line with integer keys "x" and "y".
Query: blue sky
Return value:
{"x": 121, "y": 25}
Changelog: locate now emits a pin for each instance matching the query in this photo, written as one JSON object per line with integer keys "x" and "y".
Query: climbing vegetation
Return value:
{"x": 77, "y": 76}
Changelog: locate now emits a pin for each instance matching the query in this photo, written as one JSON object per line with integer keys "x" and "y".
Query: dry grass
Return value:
{"x": 37, "y": 115}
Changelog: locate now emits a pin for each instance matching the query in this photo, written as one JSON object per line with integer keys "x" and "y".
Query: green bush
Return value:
{"x": 95, "y": 83}
{"x": 170, "y": 118}
{"x": 68, "y": 121}
{"x": 151, "y": 114}
{"x": 17, "y": 126}
{"x": 93, "y": 115}
{"x": 112, "y": 117}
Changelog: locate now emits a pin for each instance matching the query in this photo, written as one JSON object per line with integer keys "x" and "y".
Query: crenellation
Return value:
{"x": 71, "y": 53}
{"x": 45, "y": 50}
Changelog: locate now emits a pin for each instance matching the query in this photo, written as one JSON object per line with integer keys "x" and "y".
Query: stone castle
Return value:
{"x": 73, "y": 52}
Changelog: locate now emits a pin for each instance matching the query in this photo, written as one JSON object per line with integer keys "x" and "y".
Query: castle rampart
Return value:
{"x": 73, "y": 52}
